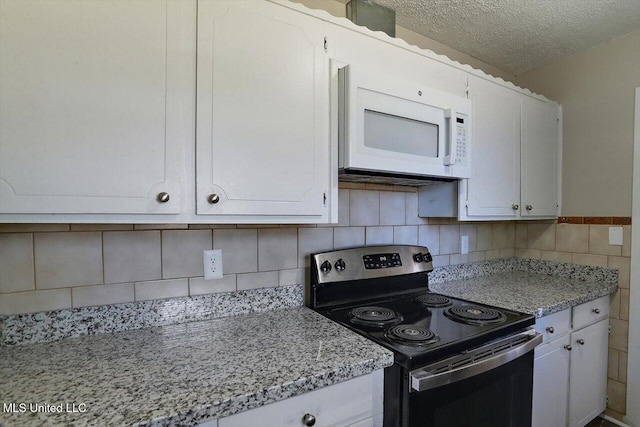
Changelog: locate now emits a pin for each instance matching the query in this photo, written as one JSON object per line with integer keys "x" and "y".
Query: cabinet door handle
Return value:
{"x": 515, "y": 207}
{"x": 308, "y": 420}
{"x": 567, "y": 347}
{"x": 529, "y": 207}
{"x": 213, "y": 199}
{"x": 596, "y": 310}
{"x": 580, "y": 341}
{"x": 163, "y": 197}
{"x": 550, "y": 329}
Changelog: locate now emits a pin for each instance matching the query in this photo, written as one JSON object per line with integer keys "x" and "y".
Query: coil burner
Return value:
{"x": 374, "y": 316}
{"x": 475, "y": 315}
{"x": 411, "y": 335}
{"x": 434, "y": 300}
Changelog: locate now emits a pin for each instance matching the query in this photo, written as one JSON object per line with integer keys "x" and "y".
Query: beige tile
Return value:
{"x": 239, "y": 249}
{"x": 35, "y": 301}
{"x": 617, "y": 394}
{"x": 131, "y": 256}
{"x": 267, "y": 279}
{"x": 352, "y": 185}
{"x": 623, "y": 264}
{"x": 291, "y": 277}
{"x": 429, "y": 236}
{"x": 493, "y": 254}
{"x": 612, "y": 364}
{"x": 456, "y": 259}
{"x": 599, "y": 241}
{"x": 101, "y": 227}
{"x": 614, "y": 305}
{"x": 520, "y": 239}
{"x": 364, "y": 207}
{"x": 555, "y": 256}
{"x": 440, "y": 260}
{"x": 405, "y": 235}
{"x": 392, "y": 208}
{"x": 588, "y": 259}
{"x": 87, "y": 296}
{"x": 258, "y": 226}
{"x": 439, "y": 221}
{"x": 528, "y": 253}
{"x": 344, "y": 197}
{"x": 541, "y": 236}
{"x": 182, "y": 252}
{"x": 312, "y": 240}
{"x": 210, "y": 226}
{"x": 503, "y": 235}
{"x": 411, "y": 210}
{"x": 160, "y": 226}
{"x": 572, "y": 238}
{"x": 619, "y": 333}
{"x": 626, "y": 240}
{"x": 277, "y": 249}
{"x": 348, "y": 237}
{"x": 16, "y": 262}
{"x": 199, "y": 286}
{"x": 161, "y": 289}
{"x": 507, "y": 252}
{"x": 68, "y": 259}
{"x": 476, "y": 256}
{"x": 624, "y": 304}
{"x": 449, "y": 239}
{"x": 470, "y": 230}
{"x": 485, "y": 237}
{"x": 379, "y": 187}
{"x": 622, "y": 362}
{"x": 378, "y": 236}
{"x": 32, "y": 228}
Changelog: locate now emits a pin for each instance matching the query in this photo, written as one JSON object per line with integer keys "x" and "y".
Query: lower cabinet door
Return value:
{"x": 588, "y": 386}
{"x": 551, "y": 383}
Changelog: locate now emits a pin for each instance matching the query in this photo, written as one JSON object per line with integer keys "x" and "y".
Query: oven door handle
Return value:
{"x": 425, "y": 378}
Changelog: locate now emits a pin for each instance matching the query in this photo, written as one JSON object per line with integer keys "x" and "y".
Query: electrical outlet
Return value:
{"x": 615, "y": 236}
{"x": 213, "y": 264}
{"x": 464, "y": 245}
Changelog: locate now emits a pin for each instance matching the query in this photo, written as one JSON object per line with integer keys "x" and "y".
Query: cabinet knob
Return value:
{"x": 596, "y": 310}
{"x": 309, "y": 420}
{"x": 515, "y": 207}
{"x": 529, "y": 207}
{"x": 213, "y": 198}
{"x": 550, "y": 329}
{"x": 163, "y": 197}
{"x": 567, "y": 347}
{"x": 580, "y": 341}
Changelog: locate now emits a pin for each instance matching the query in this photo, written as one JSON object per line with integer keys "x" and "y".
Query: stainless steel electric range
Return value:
{"x": 456, "y": 363}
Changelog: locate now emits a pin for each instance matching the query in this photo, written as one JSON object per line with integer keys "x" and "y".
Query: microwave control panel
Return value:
{"x": 461, "y": 127}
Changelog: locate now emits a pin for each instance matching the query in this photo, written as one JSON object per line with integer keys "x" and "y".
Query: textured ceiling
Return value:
{"x": 518, "y": 35}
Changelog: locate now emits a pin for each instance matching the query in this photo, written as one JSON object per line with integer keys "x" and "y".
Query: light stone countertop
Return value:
{"x": 185, "y": 373}
{"x": 527, "y": 292}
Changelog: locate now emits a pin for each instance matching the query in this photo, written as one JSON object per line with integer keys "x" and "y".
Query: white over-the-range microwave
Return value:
{"x": 400, "y": 132}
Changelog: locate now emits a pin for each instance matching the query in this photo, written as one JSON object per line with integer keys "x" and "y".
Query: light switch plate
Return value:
{"x": 213, "y": 264}
{"x": 615, "y": 236}
{"x": 464, "y": 245}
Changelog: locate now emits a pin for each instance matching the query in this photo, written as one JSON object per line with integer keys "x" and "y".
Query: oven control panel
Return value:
{"x": 381, "y": 260}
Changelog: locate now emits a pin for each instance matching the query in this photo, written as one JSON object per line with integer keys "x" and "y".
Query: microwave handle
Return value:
{"x": 450, "y": 160}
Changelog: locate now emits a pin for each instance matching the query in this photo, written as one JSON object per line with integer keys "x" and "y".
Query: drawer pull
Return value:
{"x": 550, "y": 329}
{"x": 567, "y": 347}
{"x": 580, "y": 341}
{"x": 309, "y": 420}
{"x": 163, "y": 197}
{"x": 596, "y": 310}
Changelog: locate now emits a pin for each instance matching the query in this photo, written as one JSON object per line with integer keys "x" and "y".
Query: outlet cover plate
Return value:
{"x": 615, "y": 236}
{"x": 213, "y": 264}
{"x": 464, "y": 245}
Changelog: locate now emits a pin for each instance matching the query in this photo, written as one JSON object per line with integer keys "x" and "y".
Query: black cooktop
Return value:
{"x": 422, "y": 327}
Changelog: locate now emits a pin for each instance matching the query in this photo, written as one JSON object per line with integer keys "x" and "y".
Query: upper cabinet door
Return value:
{"x": 493, "y": 191}
{"x": 96, "y": 104}
{"x": 539, "y": 158}
{"x": 262, "y": 111}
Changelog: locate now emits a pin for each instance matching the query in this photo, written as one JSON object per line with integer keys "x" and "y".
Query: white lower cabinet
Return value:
{"x": 570, "y": 367}
{"x": 353, "y": 403}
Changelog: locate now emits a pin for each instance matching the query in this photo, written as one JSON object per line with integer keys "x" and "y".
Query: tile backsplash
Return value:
{"x": 56, "y": 266}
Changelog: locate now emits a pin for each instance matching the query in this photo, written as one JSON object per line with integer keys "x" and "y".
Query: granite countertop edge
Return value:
{"x": 550, "y": 309}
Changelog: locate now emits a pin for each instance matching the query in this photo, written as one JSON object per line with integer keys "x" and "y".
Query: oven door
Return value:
{"x": 489, "y": 386}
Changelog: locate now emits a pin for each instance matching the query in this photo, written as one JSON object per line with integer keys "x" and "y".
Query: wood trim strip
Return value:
{"x": 604, "y": 220}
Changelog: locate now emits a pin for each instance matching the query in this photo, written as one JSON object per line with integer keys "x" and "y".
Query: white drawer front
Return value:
{"x": 589, "y": 312}
{"x": 554, "y": 325}
{"x": 337, "y": 405}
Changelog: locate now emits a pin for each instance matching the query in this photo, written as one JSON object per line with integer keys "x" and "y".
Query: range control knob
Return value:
{"x": 418, "y": 258}
{"x": 340, "y": 265}
{"x": 427, "y": 257}
{"x": 325, "y": 267}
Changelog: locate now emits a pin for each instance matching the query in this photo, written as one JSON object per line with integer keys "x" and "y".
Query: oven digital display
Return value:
{"x": 376, "y": 261}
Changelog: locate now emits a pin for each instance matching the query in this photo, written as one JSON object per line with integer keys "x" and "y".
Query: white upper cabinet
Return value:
{"x": 494, "y": 187}
{"x": 539, "y": 158}
{"x": 96, "y": 101}
{"x": 262, "y": 111}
